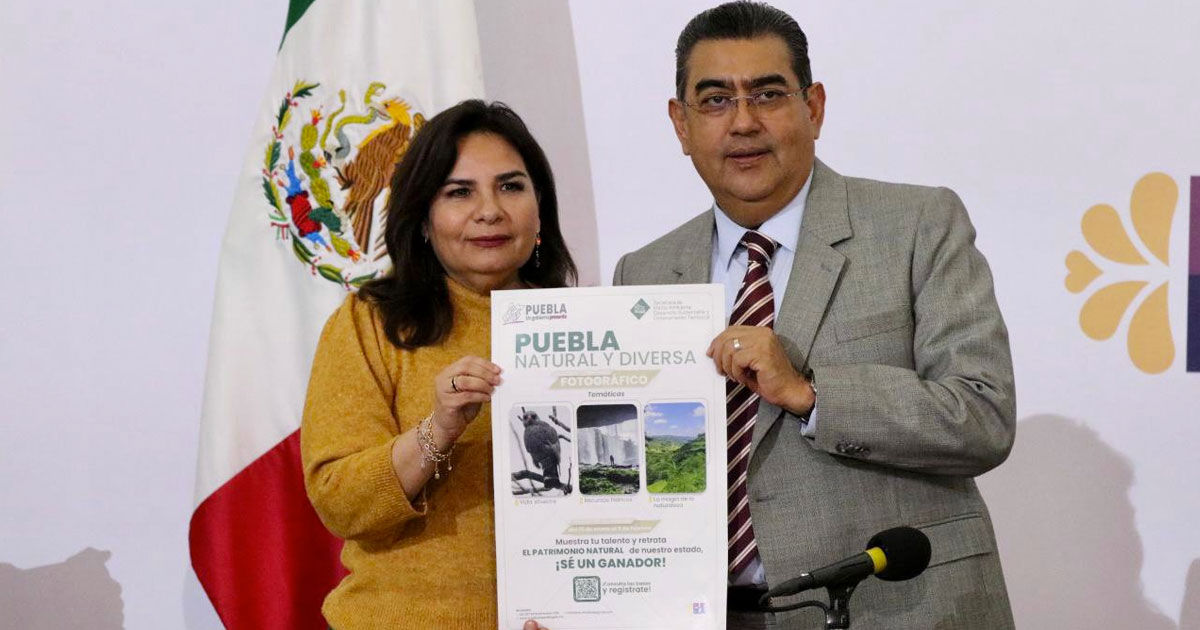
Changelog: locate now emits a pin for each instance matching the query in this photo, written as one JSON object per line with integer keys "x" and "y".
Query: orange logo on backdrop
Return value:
{"x": 1128, "y": 272}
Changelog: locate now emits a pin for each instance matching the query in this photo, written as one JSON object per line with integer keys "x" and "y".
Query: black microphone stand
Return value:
{"x": 837, "y": 613}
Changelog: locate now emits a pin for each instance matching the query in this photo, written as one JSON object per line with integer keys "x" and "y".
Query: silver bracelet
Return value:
{"x": 429, "y": 450}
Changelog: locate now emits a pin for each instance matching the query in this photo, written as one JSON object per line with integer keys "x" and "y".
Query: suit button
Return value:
{"x": 865, "y": 450}
{"x": 841, "y": 447}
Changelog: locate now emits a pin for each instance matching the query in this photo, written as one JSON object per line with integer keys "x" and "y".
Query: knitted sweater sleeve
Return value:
{"x": 348, "y": 429}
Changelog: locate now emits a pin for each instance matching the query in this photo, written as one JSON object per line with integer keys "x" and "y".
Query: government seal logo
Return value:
{"x": 326, "y": 178}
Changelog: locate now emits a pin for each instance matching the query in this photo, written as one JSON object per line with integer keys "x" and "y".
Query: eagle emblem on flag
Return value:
{"x": 326, "y": 179}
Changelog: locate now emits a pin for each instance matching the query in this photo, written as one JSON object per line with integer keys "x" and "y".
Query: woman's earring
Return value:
{"x": 537, "y": 250}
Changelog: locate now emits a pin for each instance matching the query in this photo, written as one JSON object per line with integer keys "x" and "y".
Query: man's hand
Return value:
{"x": 753, "y": 356}
{"x": 533, "y": 625}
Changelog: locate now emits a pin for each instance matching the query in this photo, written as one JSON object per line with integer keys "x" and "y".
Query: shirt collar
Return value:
{"x": 783, "y": 227}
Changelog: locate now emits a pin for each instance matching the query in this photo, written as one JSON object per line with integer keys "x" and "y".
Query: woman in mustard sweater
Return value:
{"x": 396, "y": 436}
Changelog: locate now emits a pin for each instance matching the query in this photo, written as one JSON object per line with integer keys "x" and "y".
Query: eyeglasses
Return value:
{"x": 762, "y": 101}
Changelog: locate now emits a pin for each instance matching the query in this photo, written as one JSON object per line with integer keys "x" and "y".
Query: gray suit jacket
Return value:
{"x": 892, "y": 306}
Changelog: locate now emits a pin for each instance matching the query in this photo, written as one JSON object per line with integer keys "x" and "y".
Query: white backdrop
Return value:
{"x": 124, "y": 124}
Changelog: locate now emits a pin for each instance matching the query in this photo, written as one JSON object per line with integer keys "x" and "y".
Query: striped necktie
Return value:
{"x": 755, "y": 306}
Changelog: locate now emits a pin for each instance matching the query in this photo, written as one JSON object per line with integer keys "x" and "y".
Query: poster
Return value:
{"x": 610, "y": 499}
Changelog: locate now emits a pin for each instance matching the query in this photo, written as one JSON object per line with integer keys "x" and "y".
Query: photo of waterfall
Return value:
{"x": 540, "y": 451}
{"x": 609, "y": 457}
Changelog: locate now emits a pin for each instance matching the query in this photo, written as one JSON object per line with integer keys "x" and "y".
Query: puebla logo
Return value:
{"x": 515, "y": 314}
{"x": 520, "y": 313}
{"x": 326, "y": 178}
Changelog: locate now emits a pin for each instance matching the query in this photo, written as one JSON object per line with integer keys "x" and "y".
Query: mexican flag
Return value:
{"x": 354, "y": 79}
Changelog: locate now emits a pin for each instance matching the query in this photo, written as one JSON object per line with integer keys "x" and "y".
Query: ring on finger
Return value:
{"x": 737, "y": 345}
{"x": 453, "y": 385}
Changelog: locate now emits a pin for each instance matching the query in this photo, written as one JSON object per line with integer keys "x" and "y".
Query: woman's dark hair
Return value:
{"x": 742, "y": 20}
{"x": 413, "y": 298}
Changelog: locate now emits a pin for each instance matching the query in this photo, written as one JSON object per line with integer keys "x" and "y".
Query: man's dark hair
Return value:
{"x": 742, "y": 20}
{"x": 414, "y": 299}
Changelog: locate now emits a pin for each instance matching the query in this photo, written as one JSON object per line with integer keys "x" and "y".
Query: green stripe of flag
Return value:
{"x": 296, "y": 9}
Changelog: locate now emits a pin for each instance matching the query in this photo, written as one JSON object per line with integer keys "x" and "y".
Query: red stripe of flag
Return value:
{"x": 259, "y": 550}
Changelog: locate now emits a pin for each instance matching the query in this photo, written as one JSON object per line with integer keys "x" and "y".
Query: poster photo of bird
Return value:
{"x": 541, "y": 451}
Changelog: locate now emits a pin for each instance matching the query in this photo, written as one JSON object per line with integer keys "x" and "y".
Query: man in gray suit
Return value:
{"x": 866, "y": 335}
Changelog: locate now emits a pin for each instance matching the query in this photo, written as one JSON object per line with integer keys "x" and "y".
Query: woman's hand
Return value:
{"x": 459, "y": 390}
{"x": 533, "y": 625}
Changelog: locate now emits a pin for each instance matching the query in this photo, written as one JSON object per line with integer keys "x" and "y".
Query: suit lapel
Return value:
{"x": 692, "y": 259}
{"x": 815, "y": 271}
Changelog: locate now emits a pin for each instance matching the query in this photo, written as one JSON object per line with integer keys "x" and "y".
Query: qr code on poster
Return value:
{"x": 587, "y": 588}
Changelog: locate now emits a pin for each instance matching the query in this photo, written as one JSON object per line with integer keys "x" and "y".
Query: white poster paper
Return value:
{"x": 610, "y": 501}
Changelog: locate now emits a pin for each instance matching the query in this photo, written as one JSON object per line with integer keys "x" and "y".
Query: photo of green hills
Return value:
{"x": 675, "y": 447}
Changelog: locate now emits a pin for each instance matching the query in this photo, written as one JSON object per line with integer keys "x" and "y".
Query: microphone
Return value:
{"x": 896, "y": 554}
